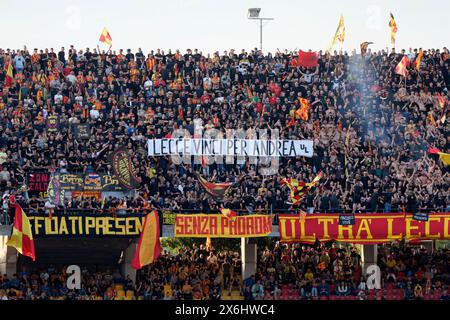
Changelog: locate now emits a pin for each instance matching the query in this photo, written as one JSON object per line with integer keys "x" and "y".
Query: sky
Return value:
{"x": 218, "y": 25}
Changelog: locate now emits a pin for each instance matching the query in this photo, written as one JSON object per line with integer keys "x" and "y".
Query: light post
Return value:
{"x": 253, "y": 14}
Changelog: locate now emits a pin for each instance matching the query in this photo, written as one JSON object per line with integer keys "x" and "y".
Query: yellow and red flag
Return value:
{"x": 214, "y": 189}
{"x": 208, "y": 243}
{"x": 303, "y": 111}
{"x": 315, "y": 180}
{"x": 230, "y": 214}
{"x": 442, "y": 103}
{"x": 9, "y": 77}
{"x": 364, "y": 46}
{"x": 394, "y": 28}
{"x": 401, "y": 66}
{"x": 431, "y": 118}
{"x": 149, "y": 246}
{"x": 22, "y": 237}
{"x": 291, "y": 122}
{"x": 441, "y": 100}
{"x": 298, "y": 189}
{"x": 321, "y": 266}
{"x": 419, "y": 59}
{"x": 180, "y": 113}
{"x": 445, "y": 157}
{"x": 249, "y": 94}
{"x": 105, "y": 37}
{"x": 339, "y": 35}
{"x": 302, "y": 215}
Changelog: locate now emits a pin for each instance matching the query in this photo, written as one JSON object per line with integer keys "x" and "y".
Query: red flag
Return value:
{"x": 180, "y": 113}
{"x": 293, "y": 63}
{"x": 402, "y": 65}
{"x": 434, "y": 150}
{"x": 307, "y": 59}
{"x": 149, "y": 246}
{"x": 204, "y": 160}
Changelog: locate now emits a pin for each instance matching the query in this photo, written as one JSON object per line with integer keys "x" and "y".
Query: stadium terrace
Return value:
{"x": 87, "y": 174}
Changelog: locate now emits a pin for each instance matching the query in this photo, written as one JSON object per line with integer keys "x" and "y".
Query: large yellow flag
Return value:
{"x": 339, "y": 35}
{"x": 445, "y": 158}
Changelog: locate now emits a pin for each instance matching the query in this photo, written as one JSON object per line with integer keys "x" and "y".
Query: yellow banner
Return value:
{"x": 85, "y": 225}
{"x": 219, "y": 226}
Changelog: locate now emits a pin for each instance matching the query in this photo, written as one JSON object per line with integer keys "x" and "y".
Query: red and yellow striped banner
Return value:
{"x": 220, "y": 226}
{"x": 369, "y": 228}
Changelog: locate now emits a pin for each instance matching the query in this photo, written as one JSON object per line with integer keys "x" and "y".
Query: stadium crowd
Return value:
{"x": 321, "y": 272}
{"x": 371, "y": 127}
{"x": 289, "y": 272}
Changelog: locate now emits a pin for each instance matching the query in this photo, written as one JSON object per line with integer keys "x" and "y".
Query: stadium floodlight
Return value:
{"x": 253, "y": 14}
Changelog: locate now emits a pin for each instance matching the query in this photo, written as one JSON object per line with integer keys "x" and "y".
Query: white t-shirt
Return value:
{"x": 49, "y": 205}
{"x": 44, "y": 276}
{"x": 308, "y": 77}
{"x": 79, "y": 100}
{"x": 148, "y": 84}
{"x": 94, "y": 114}
{"x": 411, "y": 55}
{"x": 3, "y": 157}
{"x": 71, "y": 78}
{"x": 58, "y": 98}
{"x": 207, "y": 82}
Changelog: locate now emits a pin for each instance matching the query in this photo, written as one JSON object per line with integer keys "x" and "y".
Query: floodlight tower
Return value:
{"x": 253, "y": 14}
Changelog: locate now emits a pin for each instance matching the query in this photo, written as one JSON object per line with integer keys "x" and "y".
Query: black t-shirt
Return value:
{"x": 61, "y": 56}
{"x": 324, "y": 203}
{"x": 411, "y": 203}
{"x": 226, "y": 267}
